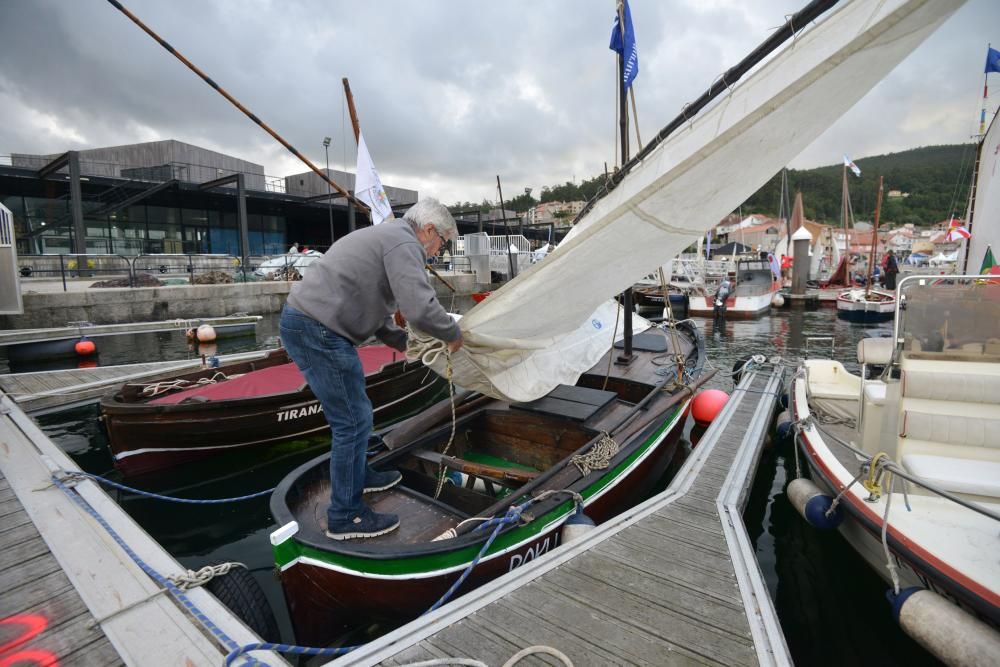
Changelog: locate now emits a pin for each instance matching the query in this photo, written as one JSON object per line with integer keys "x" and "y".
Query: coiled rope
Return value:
{"x": 195, "y": 578}
{"x": 598, "y": 457}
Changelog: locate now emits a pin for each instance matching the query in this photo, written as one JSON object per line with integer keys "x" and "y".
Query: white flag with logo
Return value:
{"x": 368, "y": 186}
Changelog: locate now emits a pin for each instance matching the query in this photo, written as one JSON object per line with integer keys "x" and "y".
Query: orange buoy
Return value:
{"x": 707, "y": 404}
{"x": 85, "y": 347}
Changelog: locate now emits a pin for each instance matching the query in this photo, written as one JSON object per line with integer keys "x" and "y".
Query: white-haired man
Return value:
{"x": 347, "y": 297}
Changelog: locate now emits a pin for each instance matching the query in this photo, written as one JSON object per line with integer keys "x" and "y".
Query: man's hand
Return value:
{"x": 455, "y": 344}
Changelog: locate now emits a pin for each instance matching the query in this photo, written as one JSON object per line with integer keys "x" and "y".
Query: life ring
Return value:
{"x": 25, "y": 271}
{"x": 241, "y": 593}
{"x": 163, "y": 268}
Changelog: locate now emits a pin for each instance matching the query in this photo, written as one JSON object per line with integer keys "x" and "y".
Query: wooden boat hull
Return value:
{"x": 144, "y": 438}
{"x": 505, "y": 454}
{"x": 325, "y": 595}
{"x": 880, "y": 309}
{"x": 737, "y": 307}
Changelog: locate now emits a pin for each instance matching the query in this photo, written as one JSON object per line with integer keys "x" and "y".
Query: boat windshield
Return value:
{"x": 950, "y": 316}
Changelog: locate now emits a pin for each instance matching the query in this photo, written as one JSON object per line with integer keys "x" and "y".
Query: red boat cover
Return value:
{"x": 282, "y": 379}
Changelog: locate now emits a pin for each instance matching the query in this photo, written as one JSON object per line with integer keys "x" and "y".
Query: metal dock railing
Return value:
{"x": 674, "y": 580}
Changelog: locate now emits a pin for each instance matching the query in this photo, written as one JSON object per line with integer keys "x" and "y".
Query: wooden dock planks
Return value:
{"x": 658, "y": 585}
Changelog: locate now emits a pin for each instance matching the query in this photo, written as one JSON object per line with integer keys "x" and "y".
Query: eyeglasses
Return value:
{"x": 444, "y": 241}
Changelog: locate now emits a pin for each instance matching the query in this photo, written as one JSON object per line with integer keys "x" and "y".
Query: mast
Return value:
{"x": 971, "y": 210}
{"x": 351, "y": 110}
{"x": 844, "y": 203}
{"x": 871, "y": 255}
{"x": 626, "y": 355}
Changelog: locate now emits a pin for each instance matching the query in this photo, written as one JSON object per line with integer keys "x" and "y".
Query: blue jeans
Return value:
{"x": 333, "y": 370}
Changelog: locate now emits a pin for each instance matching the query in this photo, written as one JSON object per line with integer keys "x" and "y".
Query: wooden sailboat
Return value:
{"x": 868, "y": 304}
{"x": 608, "y": 438}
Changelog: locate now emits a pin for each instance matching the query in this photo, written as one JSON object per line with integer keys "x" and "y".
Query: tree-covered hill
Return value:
{"x": 935, "y": 178}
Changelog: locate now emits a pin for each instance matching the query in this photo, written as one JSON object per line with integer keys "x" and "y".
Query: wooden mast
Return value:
{"x": 871, "y": 255}
{"x": 351, "y": 110}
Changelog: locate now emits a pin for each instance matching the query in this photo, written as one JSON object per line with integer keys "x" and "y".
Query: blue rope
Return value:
{"x": 150, "y": 494}
{"x": 181, "y": 597}
{"x": 513, "y": 515}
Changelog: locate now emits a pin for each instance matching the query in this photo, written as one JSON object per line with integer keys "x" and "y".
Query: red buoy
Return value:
{"x": 85, "y": 347}
{"x": 707, "y": 404}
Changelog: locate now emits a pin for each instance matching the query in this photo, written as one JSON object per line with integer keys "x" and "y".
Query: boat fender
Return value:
{"x": 238, "y": 590}
{"x": 85, "y": 347}
{"x": 707, "y": 405}
{"x": 948, "y": 632}
{"x": 206, "y": 333}
{"x": 777, "y": 301}
{"x": 809, "y": 501}
{"x": 577, "y": 525}
{"x": 783, "y": 427}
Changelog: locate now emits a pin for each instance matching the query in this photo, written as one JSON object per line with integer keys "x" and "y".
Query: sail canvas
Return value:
{"x": 681, "y": 189}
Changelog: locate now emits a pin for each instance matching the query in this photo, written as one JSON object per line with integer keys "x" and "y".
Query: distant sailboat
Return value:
{"x": 868, "y": 304}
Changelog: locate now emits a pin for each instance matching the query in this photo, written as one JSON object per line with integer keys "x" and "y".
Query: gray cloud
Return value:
{"x": 449, "y": 93}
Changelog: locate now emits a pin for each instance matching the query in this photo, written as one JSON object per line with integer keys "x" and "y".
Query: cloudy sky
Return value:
{"x": 449, "y": 93}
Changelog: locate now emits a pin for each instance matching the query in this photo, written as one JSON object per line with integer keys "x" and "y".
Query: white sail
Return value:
{"x": 984, "y": 212}
{"x": 682, "y": 188}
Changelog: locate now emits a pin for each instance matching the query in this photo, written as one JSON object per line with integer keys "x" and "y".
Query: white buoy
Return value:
{"x": 777, "y": 300}
{"x": 206, "y": 334}
{"x": 951, "y": 634}
{"x": 577, "y": 525}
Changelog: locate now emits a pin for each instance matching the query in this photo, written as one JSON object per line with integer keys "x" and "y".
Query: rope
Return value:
{"x": 599, "y": 456}
{"x": 442, "y": 471}
{"x": 75, "y": 475}
{"x": 195, "y": 578}
{"x": 178, "y": 594}
{"x": 611, "y": 354}
{"x": 154, "y": 389}
{"x": 872, "y": 484}
{"x": 893, "y": 574}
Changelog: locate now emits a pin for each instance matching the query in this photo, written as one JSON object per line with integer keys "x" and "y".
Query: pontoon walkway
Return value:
{"x": 72, "y": 595}
{"x": 674, "y": 580}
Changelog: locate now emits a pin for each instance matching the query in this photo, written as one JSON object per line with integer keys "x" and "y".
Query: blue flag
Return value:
{"x": 992, "y": 55}
{"x": 627, "y": 50}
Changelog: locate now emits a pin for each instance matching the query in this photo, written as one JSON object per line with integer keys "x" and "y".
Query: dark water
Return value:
{"x": 832, "y": 606}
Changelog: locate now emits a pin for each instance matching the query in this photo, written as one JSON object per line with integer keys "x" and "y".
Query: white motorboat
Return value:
{"x": 908, "y": 465}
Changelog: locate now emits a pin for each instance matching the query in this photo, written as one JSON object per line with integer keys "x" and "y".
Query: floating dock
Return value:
{"x": 233, "y": 324}
{"x": 48, "y": 391}
{"x": 70, "y": 593}
{"x": 674, "y": 580}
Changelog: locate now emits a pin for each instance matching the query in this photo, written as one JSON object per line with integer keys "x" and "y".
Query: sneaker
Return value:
{"x": 380, "y": 481}
{"x": 366, "y": 524}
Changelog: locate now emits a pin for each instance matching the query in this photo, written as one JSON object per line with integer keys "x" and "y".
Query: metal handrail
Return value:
{"x": 26, "y": 270}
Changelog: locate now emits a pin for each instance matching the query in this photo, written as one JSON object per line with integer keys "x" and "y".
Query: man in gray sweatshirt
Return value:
{"x": 347, "y": 297}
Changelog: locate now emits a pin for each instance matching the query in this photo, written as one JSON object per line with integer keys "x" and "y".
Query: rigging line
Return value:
{"x": 249, "y": 114}
{"x": 958, "y": 181}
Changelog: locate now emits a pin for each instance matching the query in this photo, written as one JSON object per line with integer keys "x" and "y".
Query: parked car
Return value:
{"x": 287, "y": 267}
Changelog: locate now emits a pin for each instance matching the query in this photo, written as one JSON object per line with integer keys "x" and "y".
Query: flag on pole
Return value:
{"x": 988, "y": 262}
{"x": 956, "y": 232}
{"x": 625, "y": 46}
{"x": 368, "y": 186}
{"x": 992, "y": 60}
{"x": 853, "y": 167}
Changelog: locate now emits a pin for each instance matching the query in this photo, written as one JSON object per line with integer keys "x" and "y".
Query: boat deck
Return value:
{"x": 71, "y": 595}
{"x": 674, "y": 580}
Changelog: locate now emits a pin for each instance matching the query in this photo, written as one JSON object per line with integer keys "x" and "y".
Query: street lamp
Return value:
{"x": 329, "y": 199}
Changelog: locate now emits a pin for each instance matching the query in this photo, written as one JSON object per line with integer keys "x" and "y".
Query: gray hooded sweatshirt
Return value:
{"x": 364, "y": 278}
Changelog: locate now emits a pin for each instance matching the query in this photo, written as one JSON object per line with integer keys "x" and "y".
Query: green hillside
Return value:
{"x": 936, "y": 178}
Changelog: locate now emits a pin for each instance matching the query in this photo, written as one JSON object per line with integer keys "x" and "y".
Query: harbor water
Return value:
{"x": 831, "y": 605}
